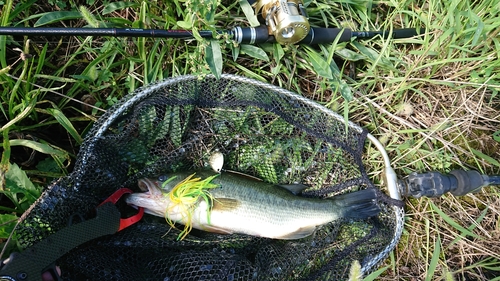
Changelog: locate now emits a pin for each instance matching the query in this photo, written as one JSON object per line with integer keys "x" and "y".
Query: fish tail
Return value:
{"x": 359, "y": 204}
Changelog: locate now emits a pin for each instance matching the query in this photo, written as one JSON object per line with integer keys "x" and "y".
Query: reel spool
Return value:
{"x": 286, "y": 20}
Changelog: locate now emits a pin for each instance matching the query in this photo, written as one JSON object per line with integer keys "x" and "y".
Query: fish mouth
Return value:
{"x": 151, "y": 205}
{"x": 150, "y": 199}
{"x": 138, "y": 199}
{"x": 146, "y": 184}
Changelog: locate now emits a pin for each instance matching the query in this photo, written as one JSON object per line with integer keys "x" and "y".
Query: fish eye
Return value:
{"x": 162, "y": 178}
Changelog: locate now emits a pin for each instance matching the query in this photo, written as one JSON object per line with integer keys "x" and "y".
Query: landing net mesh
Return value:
{"x": 263, "y": 131}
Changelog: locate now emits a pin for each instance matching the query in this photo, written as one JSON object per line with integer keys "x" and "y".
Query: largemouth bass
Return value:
{"x": 232, "y": 203}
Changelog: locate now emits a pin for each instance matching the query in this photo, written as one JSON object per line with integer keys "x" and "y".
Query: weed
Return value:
{"x": 446, "y": 80}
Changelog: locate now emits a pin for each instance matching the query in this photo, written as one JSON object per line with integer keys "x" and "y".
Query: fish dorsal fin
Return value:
{"x": 294, "y": 188}
{"x": 225, "y": 204}
{"x": 299, "y": 233}
{"x": 243, "y": 175}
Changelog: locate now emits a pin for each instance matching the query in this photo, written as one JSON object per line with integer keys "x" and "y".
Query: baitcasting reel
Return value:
{"x": 286, "y": 20}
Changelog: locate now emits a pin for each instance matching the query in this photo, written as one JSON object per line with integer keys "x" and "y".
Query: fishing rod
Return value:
{"x": 286, "y": 22}
{"x": 242, "y": 35}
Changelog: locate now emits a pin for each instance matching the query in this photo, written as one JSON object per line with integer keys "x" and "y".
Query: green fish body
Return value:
{"x": 233, "y": 203}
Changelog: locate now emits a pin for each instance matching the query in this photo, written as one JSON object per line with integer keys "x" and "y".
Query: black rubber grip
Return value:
{"x": 435, "y": 184}
{"x": 319, "y": 35}
{"x": 404, "y": 33}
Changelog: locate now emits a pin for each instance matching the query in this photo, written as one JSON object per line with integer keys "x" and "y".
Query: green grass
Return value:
{"x": 432, "y": 100}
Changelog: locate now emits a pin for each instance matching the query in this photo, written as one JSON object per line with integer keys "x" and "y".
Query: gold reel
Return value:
{"x": 286, "y": 20}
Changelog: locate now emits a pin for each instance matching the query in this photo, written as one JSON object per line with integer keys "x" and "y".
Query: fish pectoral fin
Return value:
{"x": 299, "y": 233}
{"x": 294, "y": 188}
{"x": 224, "y": 204}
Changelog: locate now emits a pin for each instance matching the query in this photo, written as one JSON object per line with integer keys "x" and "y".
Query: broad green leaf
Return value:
{"x": 249, "y": 13}
{"x": 114, "y": 6}
{"x": 254, "y": 52}
{"x": 7, "y": 223}
{"x": 93, "y": 73}
{"x": 143, "y": 11}
{"x": 53, "y": 17}
{"x": 214, "y": 58}
{"x": 235, "y": 51}
{"x": 49, "y": 167}
{"x": 196, "y": 34}
{"x": 373, "y": 55}
{"x": 319, "y": 64}
{"x": 64, "y": 121}
{"x": 184, "y": 24}
{"x": 278, "y": 52}
{"x": 345, "y": 91}
{"x": 16, "y": 181}
{"x": 349, "y": 55}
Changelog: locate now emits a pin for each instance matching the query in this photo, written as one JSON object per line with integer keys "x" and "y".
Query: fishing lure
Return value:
{"x": 185, "y": 196}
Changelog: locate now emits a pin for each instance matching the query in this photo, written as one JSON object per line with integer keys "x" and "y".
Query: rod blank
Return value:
{"x": 247, "y": 35}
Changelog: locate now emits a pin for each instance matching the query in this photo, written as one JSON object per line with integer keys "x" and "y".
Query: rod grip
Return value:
{"x": 319, "y": 35}
{"x": 435, "y": 184}
{"x": 404, "y": 33}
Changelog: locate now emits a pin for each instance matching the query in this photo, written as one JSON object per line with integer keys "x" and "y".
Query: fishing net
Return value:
{"x": 263, "y": 131}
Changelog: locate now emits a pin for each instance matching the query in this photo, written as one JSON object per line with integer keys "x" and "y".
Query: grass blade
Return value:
{"x": 40, "y": 147}
{"x": 434, "y": 260}
{"x": 375, "y": 275}
{"x": 20, "y": 116}
{"x": 66, "y": 123}
{"x": 4, "y": 19}
{"x": 485, "y": 157}
{"x": 53, "y": 17}
{"x": 453, "y": 223}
